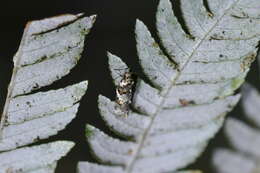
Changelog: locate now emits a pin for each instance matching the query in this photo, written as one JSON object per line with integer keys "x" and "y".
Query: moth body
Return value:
{"x": 124, "y": 92}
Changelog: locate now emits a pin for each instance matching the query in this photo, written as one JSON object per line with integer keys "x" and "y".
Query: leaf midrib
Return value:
{"x": 130, "y": 166}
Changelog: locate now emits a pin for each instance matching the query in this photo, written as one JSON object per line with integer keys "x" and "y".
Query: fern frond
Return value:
{"x": 190, "y": 91}
{"x": 245, "y": 140}
{"x": 49, "y": 49}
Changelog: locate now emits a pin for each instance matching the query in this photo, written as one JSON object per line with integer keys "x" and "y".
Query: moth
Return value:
{"x": 124, "y": 92}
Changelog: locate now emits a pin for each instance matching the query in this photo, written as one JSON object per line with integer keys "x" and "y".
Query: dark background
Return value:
{"x": 114, "y": 32}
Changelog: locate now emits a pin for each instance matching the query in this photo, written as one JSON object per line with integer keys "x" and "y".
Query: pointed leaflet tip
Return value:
{"x": 80, "y": 89}
{"x": 93, "y": 18}
{"x": 89, "y": 130}
{"x": 41, "y": 26}
{"x": 139, "y": 26}
{"x": 66, "y": 145}
{"x": 117, "y": 68}
{"x": 115, "y": 61}
{"x": 163, "y": 4}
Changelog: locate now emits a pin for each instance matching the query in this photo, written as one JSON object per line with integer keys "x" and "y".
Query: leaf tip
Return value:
{"x": 110, "y": 58}
{"x": 83, "y": 84}
{"x": 89, "y": 130}
{"x": 63, "y": 146}
{"x": 93, "y": 18}
{"x": 80, "y": 89}
{"x": 79, "y": 15}
{"x": 237, "y": 82}
{"x": 140, "y": 25}
{"x": 67, "y": 144}
{"x": 100, "y": 98}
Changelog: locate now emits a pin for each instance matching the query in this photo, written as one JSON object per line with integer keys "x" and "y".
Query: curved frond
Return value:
{"x": 189, "y": 90}
{"x": 49, "y": 49}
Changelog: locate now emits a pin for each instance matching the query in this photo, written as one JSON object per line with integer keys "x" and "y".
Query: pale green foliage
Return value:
{"x": 49, "y": 49}
{"x": 190, "y": 90}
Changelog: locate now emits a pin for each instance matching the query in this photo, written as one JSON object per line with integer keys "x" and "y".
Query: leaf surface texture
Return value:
{"x": 190, "y": 86}
{"x": 49, "y": 49}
